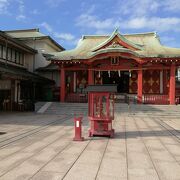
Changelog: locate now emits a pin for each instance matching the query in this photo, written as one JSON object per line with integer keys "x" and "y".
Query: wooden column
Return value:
{"x": 140, "y": 86}
{"x": 90, "y": 77}
{"x": 172, "y": 85}
{"x": 12, "y": 96}
{"x": 62, "y": 84}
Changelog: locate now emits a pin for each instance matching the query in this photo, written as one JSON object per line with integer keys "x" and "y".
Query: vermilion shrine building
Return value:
{"x": 138, "y": 63}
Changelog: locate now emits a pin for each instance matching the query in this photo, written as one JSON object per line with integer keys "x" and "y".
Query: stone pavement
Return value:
{"x": 40, "y": 146}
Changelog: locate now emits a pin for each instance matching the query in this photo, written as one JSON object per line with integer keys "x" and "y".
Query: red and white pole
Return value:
{"x": 78, "y": 129}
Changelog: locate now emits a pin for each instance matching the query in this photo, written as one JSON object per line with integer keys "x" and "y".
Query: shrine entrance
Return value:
{"x": 121, "y": 78}
{"x": 132, "y": 62}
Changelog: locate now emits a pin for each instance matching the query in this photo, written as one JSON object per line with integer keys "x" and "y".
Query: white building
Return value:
{"x": 44, "y": 45}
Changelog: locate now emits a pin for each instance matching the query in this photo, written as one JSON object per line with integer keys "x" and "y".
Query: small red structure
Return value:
{"x": 101, "y": 109}
{"x": 78, "y": 129}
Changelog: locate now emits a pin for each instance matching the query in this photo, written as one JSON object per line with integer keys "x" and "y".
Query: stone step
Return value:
{"x": 38, "y": 105}
{"x": 67, "y": 108}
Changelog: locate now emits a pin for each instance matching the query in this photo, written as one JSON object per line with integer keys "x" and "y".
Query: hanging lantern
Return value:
{"x": 129, "y": 73}
{"x": 109, "y": 73}
{"x": 119, "y": 73}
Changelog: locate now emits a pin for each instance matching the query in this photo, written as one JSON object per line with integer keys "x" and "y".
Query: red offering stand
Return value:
{"x": 101, "y": 109}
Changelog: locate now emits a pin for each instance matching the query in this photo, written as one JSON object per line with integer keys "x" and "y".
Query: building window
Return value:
{"x": 21, "y": 59}
{"x": 9, "y": 54}
{"x": 13, "y": 55}
{"x": 16, "y": 57}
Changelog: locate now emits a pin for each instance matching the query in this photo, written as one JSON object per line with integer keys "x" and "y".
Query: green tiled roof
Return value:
{"x": 147, "y": 44}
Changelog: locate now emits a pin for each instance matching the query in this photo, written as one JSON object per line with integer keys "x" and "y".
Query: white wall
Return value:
{"x": 42, "y": 46}
{"x": 40, "y": 61}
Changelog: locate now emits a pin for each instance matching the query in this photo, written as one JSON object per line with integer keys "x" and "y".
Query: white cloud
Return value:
{"x": 87, "y": 20}
{"x": 4, "y": 4}
{"x": 86, "y": 7}
{"x": 20, "y": 14}
{"x": 21, "y": 17}
{"x": 46, "y": 26}
{"x": 138, "y": 14}
{"x": 152, "y": 23}
{"x": 35, "y": 12}
{"x": 171, "y": 5}
{"x": 54, "y": 3}
{"x": 21, "y": 6}
{"x": 67, "y": 38}
{"x": 136, "y": 8}
{"x": 90, "y": 21}
{"x": 21, "y": 11}
{"x": 64, "y": 36}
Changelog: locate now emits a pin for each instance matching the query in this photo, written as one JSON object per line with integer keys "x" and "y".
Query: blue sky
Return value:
{"x": 67, "y": 20}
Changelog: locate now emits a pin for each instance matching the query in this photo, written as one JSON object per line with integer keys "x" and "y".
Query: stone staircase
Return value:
{"x": 38, "y": 105}
{"x": 58, "y": 108}
{"x": 67, "y": 108}
{"x": 76, "y": 98}
{"x": 77, "y": 108}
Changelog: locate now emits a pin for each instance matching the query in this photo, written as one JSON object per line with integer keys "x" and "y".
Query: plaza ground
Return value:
{"x": 40, "y": 147}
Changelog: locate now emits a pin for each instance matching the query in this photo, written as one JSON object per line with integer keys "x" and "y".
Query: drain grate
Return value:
{"x": 1, "y": 133}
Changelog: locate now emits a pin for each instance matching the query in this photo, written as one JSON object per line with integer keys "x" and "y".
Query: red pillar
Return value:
{"x": 172, "y": 85}
{"x": 90, "y": 77}
{"x": 140, "y": 85}
{"x": 62, "y": 81}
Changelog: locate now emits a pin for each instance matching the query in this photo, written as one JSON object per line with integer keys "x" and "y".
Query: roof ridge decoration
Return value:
{"x": 114, "y": 44}
{"x": 132, "y": 34}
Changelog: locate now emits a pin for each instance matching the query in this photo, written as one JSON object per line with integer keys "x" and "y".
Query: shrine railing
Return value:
{"x": 125, "y": 98}
{"x": 155, "y": 99}
{"x": 146, "y": 99}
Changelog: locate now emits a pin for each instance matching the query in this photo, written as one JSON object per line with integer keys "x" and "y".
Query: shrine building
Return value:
{"x": 139, "y": 64}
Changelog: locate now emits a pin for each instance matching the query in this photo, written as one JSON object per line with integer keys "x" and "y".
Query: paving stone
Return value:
{"x": 48, "y": 175}
{"x": 144, "y": 146}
